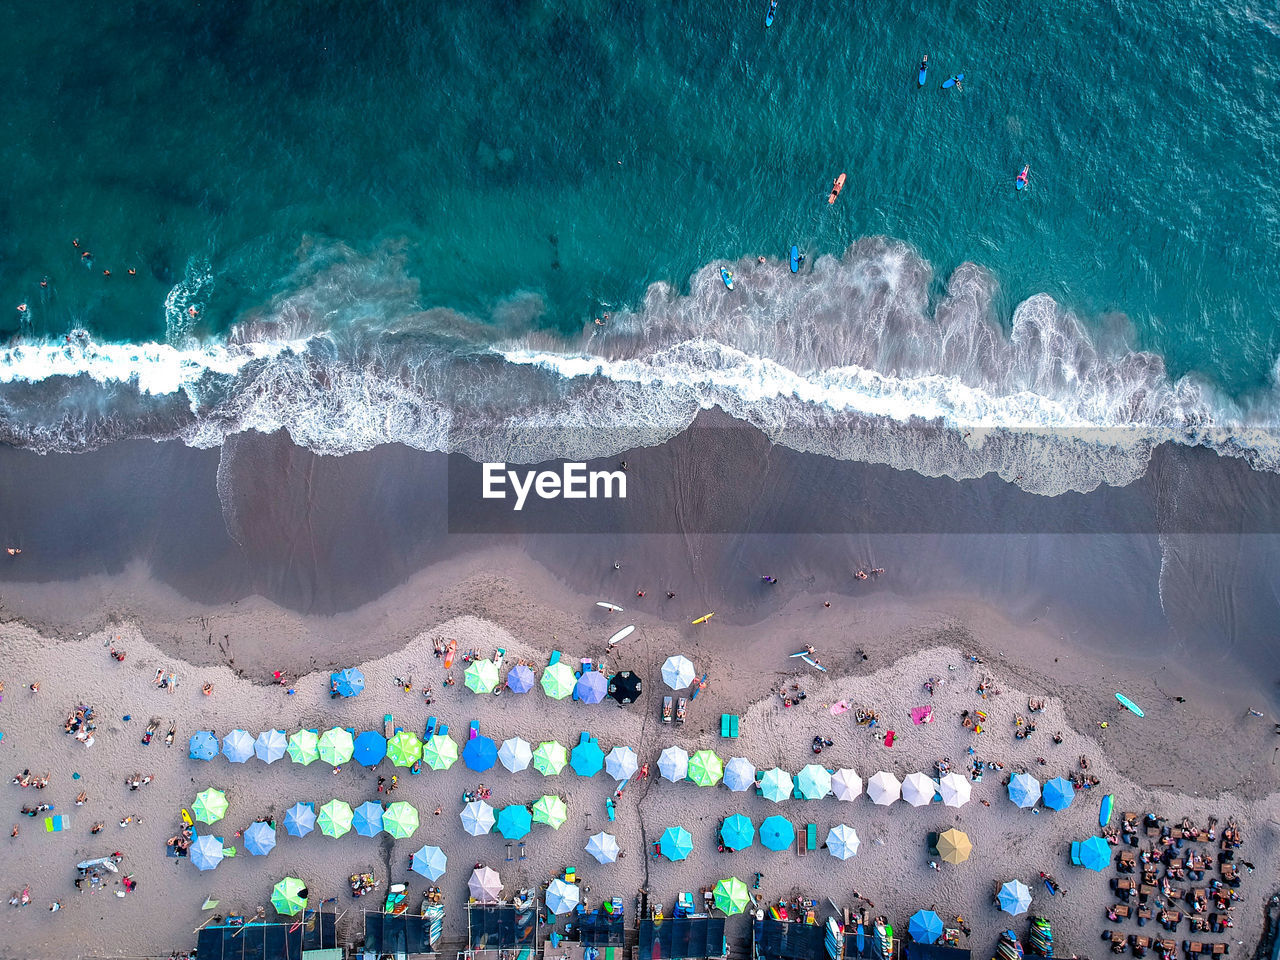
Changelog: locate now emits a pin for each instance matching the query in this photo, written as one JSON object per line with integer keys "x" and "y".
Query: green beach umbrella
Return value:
{"x": 705, "y": 768}
{"x": 481, "y": 676}
{"x": 730, "y": 896}
{"x": 289, "y": 896}
{"x": 404, "y": 749}
{"x": 400, "y": 819}
{"x": 210, "y": 806}
{"x": 550, "y": 757}
{"x": 335, "y": 818}
{"x": 304, "y": 747}
{"x": 440, "y": 752}
{"x": 551, "y": 811}
{"x": 337, "y": 746}
{"x": 558, "y": 681}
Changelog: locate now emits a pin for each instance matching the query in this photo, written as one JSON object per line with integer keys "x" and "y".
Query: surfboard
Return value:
{"x": 611, "y": 607}
{"x": 768, "y": 17}
{"x": 862, "y": 939}
{"x": 727, "y": 277}
{"x": 704, "y": 619}
{"x": 813, "y": 663}
{"x": 622, "y": 634}
{"x": 795, "y": 259}
{"x": 1104, "y": 814}
{"x": 1022, "y": 181}
{"x": 924, "y": 69}
{"x": 952, "y": 81}
{"x": 836, "y": 187}
{"x": 1129, "y": 704}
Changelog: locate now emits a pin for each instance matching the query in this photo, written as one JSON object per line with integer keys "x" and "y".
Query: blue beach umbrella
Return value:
{"x": 925, "y": 926}
{"x": 270, "y": 745}
{"x": 521, "y": 679}
{"x": 205, "y": 852}
{"x": 300, "y": 819}
{"x": 676, "y": 843}
{"x": 237, "y": 746}
{"x": 370, "y": 748}
{"x": 349, "y": 682}
{"x": 260, "y": 839}
{"x": 591, "y": 686}
{"x": 368, "y": 819}
{"x": 1095, "y": 854}
{"x": 480, "y": 754}
{"x": 1014, "y": 897}
{"x": 1024, "y": 790}
{"x": 1058, "y": 794}
{"x": 515, "y": 821}
{"x": 737, "y": 832}
{"x": 587, "y": 759}
{"x": 777, "y": 833}
{"x": 429, "y": 862}
{"x": 203, "y": 745}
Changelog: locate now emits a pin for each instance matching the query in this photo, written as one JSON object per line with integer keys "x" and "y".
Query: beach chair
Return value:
{"x": 474, "y": 731}
{"x": 680, "y": 705}
{"x": 430, "y": 728}
{"x": 554, "y": 659}
{"x": 387, "y": 726}
{"x": 729, "y": 726}
{"x": 443, "y": 730}
{"x": 570, "y": 874}
{"x": 668, "y": 708}
{"x": 1075, "y": 852}
{"x": 931, "y": 841}
{"x": 811, "y": 836}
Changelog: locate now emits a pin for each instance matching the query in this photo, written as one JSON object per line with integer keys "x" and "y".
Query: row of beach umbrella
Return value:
{"x": 737, "y": 832}
{"x": 1026, "y": 792}
{"x": 558, "y": 681}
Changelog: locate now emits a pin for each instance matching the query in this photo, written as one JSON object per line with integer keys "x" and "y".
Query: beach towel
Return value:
{"x": 55, "y": 824}
{"x": 921, "y": 715}
{"x": 888, "y": 738}
{"x": 839, "y": 707}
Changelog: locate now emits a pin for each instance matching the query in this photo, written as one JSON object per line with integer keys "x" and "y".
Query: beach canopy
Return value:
{"x": 289, "y": 896}
{"x": 1014, "y": 897}
{"x": 260, "y": 838}
{"x": 587, "y": 759}
{"x": 515, "y": 754}
{"x": 919, "y": 789}
{"x": 558, "y": 681}
{"x": 678, "y": 672}
{"x": 514, "y": 821}
{"x": 270, "y": 745}
{"x": 730, "y": 895}
{"x": 842, "y": 841}
{"x": 884, "y": 789}
{"x": 335, "y": 818}
{"x": 561, "y": 897}
{"x": 621, "y": 763}
{"x": 304, "y": 747}
{"x": 624, "y": 687}
{"x": 481, "y": 676}
{"x": 203, "y": 745}
{"x": 777, "y": 833}
{"x": 205, "y": 852}
{"x": 1024, "y": 790}
{"x": 955, "y": 789}
{"x": 520, "y": 679}
{"x": 551, "y": 811}
{"x": 404, "y": 749}
{"x": 485, "y": 885}
{"x": 603, "y": 846}
{"x": 400, "y": 819}
{"x": 237, "y": 746}
{"x": 776, "y": 785}
{"x": 1095, "y": 854}
{"x": 673, "y": 763}
{"x": 676, "y": 843}
{"x": 477, "y": 818}
{"x": 814, "y": 781}
{"x": 739, "y": 774}
{"x": 591, "y": 686}
{"x": 705, "y": 768}
{"x": 210, "y": 806}
{"x": 925, "y": 926}
{"x": 337, "y": 746}
{"x": 846, "y": 784}
{"x": 440, "y": 752}
{"x": 367, "y": 819}
{"x": 550, "y": 757}
{"x": 1058, "y": 794}
{"x": 369, "y": 748}
{"x": 954, "y": 846}
{"x": 300, "y": 819}
{"x": 737, "y": 832}
{"x": 348, "y": 682}
{"x": 480, "y": 754}
{"x": 429, "y": 862}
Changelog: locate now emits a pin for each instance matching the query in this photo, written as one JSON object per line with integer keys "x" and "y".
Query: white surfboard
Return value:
{"x": 611, "y": 607}
{"x": 622, "y": 634}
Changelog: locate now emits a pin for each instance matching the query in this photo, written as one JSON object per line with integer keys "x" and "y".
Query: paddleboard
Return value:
{"x": 953, "y": 81}
{"x": 924, "y": 69}
{"x": 1129, "y": 704}
{"x": 727, "y": 277}
{"x": 704, "y": 619}
{"x": 611, "y": 607}
{"x": 795, "y": 259}
{"x": 622, "y": 634}
{"x": 1104, "y": 814}
{"x": 836, "y": 187}
{"x": 1022, "y": 182}
{"x": 768, "y": 17}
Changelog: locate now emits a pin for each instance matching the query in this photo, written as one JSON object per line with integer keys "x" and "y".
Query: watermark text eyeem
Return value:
{"x": 572, "y": 482}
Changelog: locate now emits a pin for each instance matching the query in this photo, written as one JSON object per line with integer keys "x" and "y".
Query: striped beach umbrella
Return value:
{"x": 705, "y": 768}
{"x": 337, "y": 746}
{"x": 210, "y": 806}
{"x": 440, "y": 752}
{"x": 481, "y": 676}
{"x": 730, "y": 896}
{"x": 558, "y": 681}
{"x": 551, "y": 811}
{"x": 304, "y": 747}
{"x": 289, "y": 896}
{"x": 550, "y": 757}
{"x": 335, "y": 818}
{"x": 400, "y": 819}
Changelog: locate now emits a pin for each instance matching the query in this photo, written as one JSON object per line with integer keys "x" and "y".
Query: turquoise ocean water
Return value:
{"x": 391, "y": 221}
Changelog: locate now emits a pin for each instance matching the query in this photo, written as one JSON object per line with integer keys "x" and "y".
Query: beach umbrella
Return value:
{"x": 678, "y": 672}
{"x": 603, "y": 846}
{"x": 558, "y": 681}
{"x": 270, "y": 745}
{"x": 480, "y": 754}
{"x": 349, "y": 682}
{"x": 481, "y": 676}
{"x": 337, "y": 746}
{"x": 210, "y": 806}
{"x": 203, "y": 745}
{"x": 304, "y": 747}
{"x": 550, "y": 757}
{"x": 1024, "y": 790}
{"x": 551, "y": 811}
{"x": 842, "y": 841}
{"x": 591, "y": 686}
{"x": 814, "y": 781}
{"x": 400, "y": 819}
{"x": 884, "y": 789}
{"x": 918, "y": 789}
{"x": 514, "y": 821}
{"x": 954, "y": 846}
{"x": 925, "y": 926}
{"x": 205, "y": 852}
{"x": 705, "y": 768}
{"x": 776, "y": 785}
{"x": 1014, "y": 897}
{"x": 429, "y": 862}
{"x": 367, "y": 819}
{"x": 676, "y": 843}
{"x": 587, "y": 759}
{"x": 730, "y": 895}
{"x": 777, "y": 833}
{"x": 520, "y": 679}
{"x": 300, "y": 819}
{"x": 477, "y": 818}
{"x": 485, "y": 885}
{"x": 673, "y": 763}
{"x": 260, "y": 838}
{"x": 404, "y": 749}
{"x": 846, "y": 784}
{"x": 621, "y": 763}
{"x": 335, "y": 818}
{"x": 289, "y": 896}
{"x": 561, "y": 897}
{"x": 739, "y": 774}
{"x": 955, "y": 790}
{"x": 624, "y": 687}
{"x": 515, "y": 754}
{"x": 369, "y": 747}
{"x": 737, "y": 832}
{"x": 237, "y": 746}
{"x": 1058, "y": 794}
{"x": 440, "y": 752}
{"x": 1095, "y": 854}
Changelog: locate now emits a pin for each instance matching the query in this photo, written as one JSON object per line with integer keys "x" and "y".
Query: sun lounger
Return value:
{"x": 443, "y": 730}
{"x": 430, "y": 729}
{"x": 932, "y": 840}
{"x": 729, "y": 726}
{"x": 1075, "y": 852}
{"x": 811, "y": 836}
{"x": 680, "y": 705}
{"x": 668, "y": 708}
{"x": 474, "y": 731}
{"x": 555, "y": 658}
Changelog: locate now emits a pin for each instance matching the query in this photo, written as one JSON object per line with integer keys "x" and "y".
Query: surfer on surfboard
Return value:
{"x": 836, "y": 186}
{"x": 1022, "y": 177}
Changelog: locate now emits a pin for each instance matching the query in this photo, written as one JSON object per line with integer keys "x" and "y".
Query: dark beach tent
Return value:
{"x": 624, "y": 687}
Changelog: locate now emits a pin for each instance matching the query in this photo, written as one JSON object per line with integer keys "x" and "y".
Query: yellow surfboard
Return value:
{"x": 704, "y": 619}
{"x": 186, "y": 818}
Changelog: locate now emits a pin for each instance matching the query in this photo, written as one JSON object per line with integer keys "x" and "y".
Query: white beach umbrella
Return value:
{"x": 919, "y": 789}
{"x": 603, "y": 846}
{"x": 270, "y": 745}
{"x": 673, "y": 764}
{"x": 678, "y": 672}
{"x": 955, "y": 790}
{"x": 562, "y": 897}
{"x": 884, "y": 789}
{"x": 477, "y": 818}
{"x": 485, "y": 885}
{"x": 842, "y": 841}
{"x": 846, "y": 784}
{"x": 515, "y": 754}
{"x": 621, "y": 763}
{"x": 739, "y": 774}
